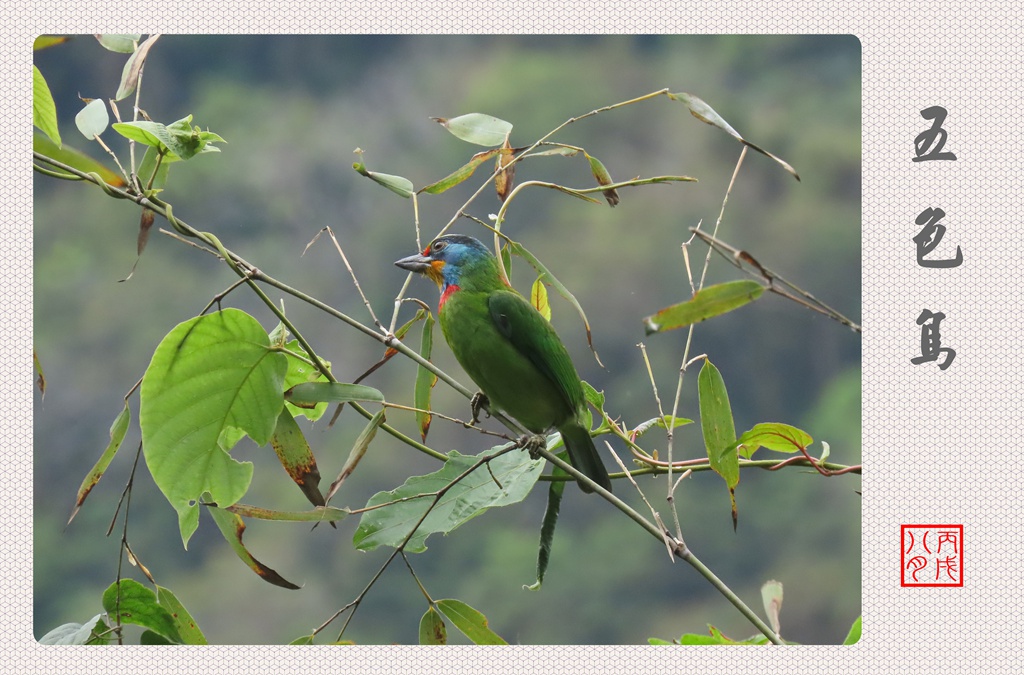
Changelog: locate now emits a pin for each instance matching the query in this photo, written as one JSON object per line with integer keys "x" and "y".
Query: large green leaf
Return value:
{"x": 212, "y": 379}
{"x": 390, "y": 525}
{"x": 131, "y": 602}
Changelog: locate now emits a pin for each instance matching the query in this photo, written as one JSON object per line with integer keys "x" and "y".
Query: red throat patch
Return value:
{"x": 447, "y": 294}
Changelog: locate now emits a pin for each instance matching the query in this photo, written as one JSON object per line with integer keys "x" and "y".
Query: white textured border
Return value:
{"x": 940, "y": 448}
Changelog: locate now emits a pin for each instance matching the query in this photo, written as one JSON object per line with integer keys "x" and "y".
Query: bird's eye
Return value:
{"x": 439, "y": 246}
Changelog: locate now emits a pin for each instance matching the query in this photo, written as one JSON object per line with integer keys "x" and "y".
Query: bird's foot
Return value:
{"x": 477, "y": 403}
{"x": 533, "y": 443}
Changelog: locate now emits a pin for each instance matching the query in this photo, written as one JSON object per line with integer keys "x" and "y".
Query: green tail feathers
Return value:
{"x": 583, "y": 455}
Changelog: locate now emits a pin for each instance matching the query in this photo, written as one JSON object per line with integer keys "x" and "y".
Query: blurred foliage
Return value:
{"x": 292, "y": 110}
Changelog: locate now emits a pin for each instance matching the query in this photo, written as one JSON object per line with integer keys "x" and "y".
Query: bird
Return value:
{"x": 508, "y": 348}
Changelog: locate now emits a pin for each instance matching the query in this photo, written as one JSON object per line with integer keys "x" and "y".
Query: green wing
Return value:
{"x": 532, "y": 335}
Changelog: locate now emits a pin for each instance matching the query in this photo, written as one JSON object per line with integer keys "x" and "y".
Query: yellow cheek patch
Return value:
{"x": 434, "y": 271}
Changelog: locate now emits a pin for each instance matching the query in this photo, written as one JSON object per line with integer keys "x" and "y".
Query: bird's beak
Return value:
{"x": 414, "y": 263}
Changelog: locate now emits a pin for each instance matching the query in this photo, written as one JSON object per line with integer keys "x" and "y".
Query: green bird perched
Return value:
{"x": 509, "y": 350}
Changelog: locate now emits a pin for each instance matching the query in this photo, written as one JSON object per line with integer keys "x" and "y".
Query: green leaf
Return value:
{"x": 315, "y": 515}
{"x": 178, "y": 141}
{"x": 472, "y": 623}
{"x": 47, "y": 41}
{"x": 303, "y": 640}
{"x": 550, "y": 279}
{"x": 707, "y": 114}
{"x": 76, "y": 633}
{"x": 390, "y": 525}
{"x": 44, "y": 110}
{"x": 300, "y": 372}
{"x": 212, "y": 379}
{"x": 92, "y": 119}
{"x": 425, "y": 380}
{"x": 853, "y": 637}
{"x": 75, "y": 158}
{"x": 338, "y": 392}
{"x": 232, "y": 527}
{"x": 117, "y": 431}
{"x": 717, "y": 425}
{"x": 539, "y": 298}
{"x": 547, "y": 526}
{"x": 400, "y": 186}
{"x": 125, "y": 44}
{"x": 602, "y": 177}
{"x": 773, "y": 436}
{"x": 133, "y": 68}
{"x": 183, "y": 621}
{"x": 771, "y": 597}
{"x": 153, "y": 173}
{"x": 296, "y": 457}
{"x": 358, "y": 450}
{"x": 131, "y": 602}
{"x": 706, "y": 303}
{"x": 460, "y": 174}
{"x": 477, "y": 128}
{"x": 432, "y": 629}
{"x": 662, "y": 422}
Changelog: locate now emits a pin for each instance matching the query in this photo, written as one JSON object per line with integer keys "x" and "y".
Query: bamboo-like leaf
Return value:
{"x": 117, "y": 432}
{"x": 357, "y": 452}
{"x": 232, "y": 527}
{"x": 477, "y": 128}
{"x": 92, "y": 120}
{"x": 707, "y": 114}
{"x": 602, "y": 177}
{"x": 425, "y": 380}
{"x": 853, "y": 637}
{"x": 44, "y": 110}
{"x": 718, "y": 428}
{"x": 460, "y": 174}
{"x": 706, "y": 303}
{"x": 312, "y": 393}
{"x": 539, "y": 298}
{"x": 75, "y": 158}
{"x": 432, "y": 628}
{"x": 133, "y": 67}
{"x": 40, "y": 377}
{"x": 550, "y": 279}
{"x": 547, "y": 526}
{"x": 314, "y": 515}
{"x": 506, "y": 171}
{"x": 397, "y": 184}
{"x": 296, "y": 457}
{"x": 47, "y": 41}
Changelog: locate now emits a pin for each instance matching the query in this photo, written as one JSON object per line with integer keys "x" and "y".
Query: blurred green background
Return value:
{"x": 292, "y": 110}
